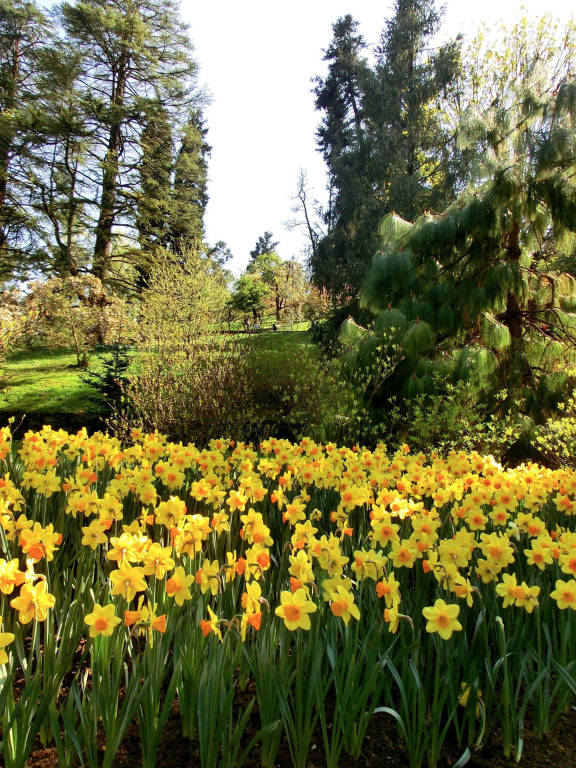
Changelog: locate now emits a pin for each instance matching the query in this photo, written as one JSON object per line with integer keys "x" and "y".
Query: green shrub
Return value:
{"x": 460, "y": 419}
{"x": 556, "y": 438}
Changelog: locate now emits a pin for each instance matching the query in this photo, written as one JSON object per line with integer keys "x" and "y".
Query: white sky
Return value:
{"x": 257, "y": 59}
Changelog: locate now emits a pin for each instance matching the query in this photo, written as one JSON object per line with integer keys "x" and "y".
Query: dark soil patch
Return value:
{"x": 381, "y": 750}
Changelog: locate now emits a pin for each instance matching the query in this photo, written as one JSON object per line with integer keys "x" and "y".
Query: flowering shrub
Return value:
{"x": 341, "y": 581}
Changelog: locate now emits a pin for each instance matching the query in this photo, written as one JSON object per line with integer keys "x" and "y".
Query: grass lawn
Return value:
{"x": 283, "y": 341}
{"x": 42, "y": 382}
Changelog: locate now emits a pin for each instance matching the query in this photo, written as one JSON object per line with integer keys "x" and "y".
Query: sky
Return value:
{"x": 257, "y": 62}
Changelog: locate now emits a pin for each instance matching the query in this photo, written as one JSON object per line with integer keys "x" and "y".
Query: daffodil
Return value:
{"x": 295, "y": 609}
{"x": 127, "y": 580}
{"x": 565, "y": 594}
{"x": 5, "y": 639}
{"x": 442, "y": 618}
{"x": 178, "y": 586}
{"x": 343, "y": 605}
{"x": 102, "y": 620}
{"x": 33, "y": 602}
{"x": 211, "y": 625}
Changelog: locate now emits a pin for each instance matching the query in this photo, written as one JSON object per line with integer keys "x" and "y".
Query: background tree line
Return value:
{"x": 103, "y": 151}
{"x": 449, "y": 236}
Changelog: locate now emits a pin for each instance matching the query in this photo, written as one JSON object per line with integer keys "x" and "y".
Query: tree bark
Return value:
{"x": 103, "y": 244}
{"x": 7, "y": 139}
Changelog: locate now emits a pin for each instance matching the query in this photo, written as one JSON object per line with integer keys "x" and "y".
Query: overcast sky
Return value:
{"x": 257, "y": 60}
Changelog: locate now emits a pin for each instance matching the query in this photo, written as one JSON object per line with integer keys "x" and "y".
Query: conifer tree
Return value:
{"x": 411, "y": 149}
{"x": 130, "y": 50}
{"x": 189, "y": 194}
{"x": 56, "y": 187}
{"x": 23, "y": 31}
{"x": 155, "y": 169}
{"x": 477, "y": 289}
{"x": 336, "y": 259}
{"x": 383, "y": 137}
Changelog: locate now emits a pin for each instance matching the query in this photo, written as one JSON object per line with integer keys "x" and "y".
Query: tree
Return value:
{"x": 173, "y": 195}
{"x": 477, "y": 289}
{"x": 189, "y": 195}
{"x": 56, "y": 189}
{"x": 339, "y": 96}
{"x": 285, "y": 281}
{"x": 383, "y": 138}
{"x": 220, "y": 253}
{"x": 155, "y": 169}
{"x": 130, "y": 50}
{"x": 288, "y": 288}
{"x": 410, "y": 147}
{"x": 264, "y": 245}
{"x": 496, "y": 67}
{"x": 248, "y": 296}
{"x": 23, "y": 30}
{"x": 74, "y": 311}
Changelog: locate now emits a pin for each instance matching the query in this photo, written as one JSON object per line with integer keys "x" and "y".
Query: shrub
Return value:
{"x": 188, "y": 380}
{"x": 460, "y": 419}
{"x": 556, "y": 438}
{"x": 13, "y": 321}
{"x": 75, "y": 312}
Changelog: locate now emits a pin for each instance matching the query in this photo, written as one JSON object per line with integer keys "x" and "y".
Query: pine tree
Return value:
{"x": 130, "y": 50}
{"x": 477, "y": 289}
{"x": 189, "y": 194}
{"x": 264, "y": 245}
{"x": 411, "y": 150}
{"x": 23, "y": 31}
{"x": 56, "y": 186}
{"x": 155, "y": 169}
{"x": 383, "y": 137}
{"x": 337, "y": 258}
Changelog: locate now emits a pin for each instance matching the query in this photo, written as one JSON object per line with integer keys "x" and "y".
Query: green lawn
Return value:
{"x": 41, "y": 382}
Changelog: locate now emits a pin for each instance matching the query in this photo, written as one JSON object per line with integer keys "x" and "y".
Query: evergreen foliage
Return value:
{"x": 383, "y": 137}
{"x": 189, "y": 194}
{"x": 113, "y": 378}
{"x": 23, "y": 28}
{"x": 477, "y": 290}
{"x": 102, "y": 145}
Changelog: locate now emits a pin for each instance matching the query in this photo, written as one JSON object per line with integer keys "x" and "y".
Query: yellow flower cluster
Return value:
{"x": 295, "y": 525}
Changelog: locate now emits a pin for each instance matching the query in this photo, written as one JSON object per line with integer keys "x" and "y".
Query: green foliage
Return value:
{"x": 476, "y": 291}
{"x": 459, "y": 419}
{"x": 13, "y": 322}
{"x": 383, "y": 137}
{"x": 128, "y": 50}
{"x": 155, "y": 171}
{"x": 294, "y": 392}
{"x": 270, "y": 283}
{"x": 556, "y": 438}
{"x": 189, "y": 192}
{"x": 248, "y": 296}
{"x": 102, "y": 145}
{"x": 189, "y": 380}
{"x": 74, "y": 312}
{"x": 23, "y": 28}
{"x": 112, "y": 376}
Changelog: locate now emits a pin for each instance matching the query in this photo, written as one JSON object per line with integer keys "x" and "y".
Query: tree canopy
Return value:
{"x": 480, "y": 287}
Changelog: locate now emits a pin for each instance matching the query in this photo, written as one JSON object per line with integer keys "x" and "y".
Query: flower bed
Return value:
{"x": 307, "y": 587}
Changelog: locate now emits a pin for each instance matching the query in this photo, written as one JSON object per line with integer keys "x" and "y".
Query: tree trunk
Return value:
{"x": 103, "y": 244}
{"x": 7, "y": 138}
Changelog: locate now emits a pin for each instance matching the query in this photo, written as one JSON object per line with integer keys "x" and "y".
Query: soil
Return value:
{"x": 381, "y": 750}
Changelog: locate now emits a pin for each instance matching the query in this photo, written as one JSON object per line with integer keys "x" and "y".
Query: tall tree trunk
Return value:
{"x": 7, "y": 138}
{"x": 103, "y": 244}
